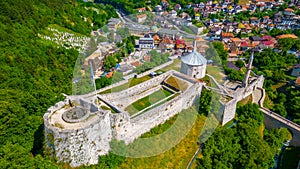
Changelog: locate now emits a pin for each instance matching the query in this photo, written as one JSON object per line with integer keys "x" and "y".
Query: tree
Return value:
{"x": 234, "y": 75}
{"x": 102, "y": 82}
{"x": 205, "y": 102}
{"x": 280, "y": 109}
{"x": 110, "y": 62}
{"x": 111, "y": 36}
{"x": 239, "y": 63}
{"x": 242, "y": 146}
{"x": 123, "y": 32}
{"x": 105, "y": 29}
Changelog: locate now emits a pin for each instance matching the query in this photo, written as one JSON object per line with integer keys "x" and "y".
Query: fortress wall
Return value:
{"x": 185, "y": 77}
{"x": 120, "y": 124}
{"x": 229, "y": 111}
{"x": 79, "y": 146}
{"x": 242, "y": 93}
{"x": 155, "y": 69}
{"x": 239, "y": 94}
{"x": 124, "y": 102}
{"x": 126, "y": 78}
{"x": 137, "y": 88}
{"x": 129, "y": 76}
{"x": 146, "y": 121}
{"x": 102, "y": 89}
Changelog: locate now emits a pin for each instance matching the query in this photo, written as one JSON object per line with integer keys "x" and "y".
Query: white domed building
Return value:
{"x": 194, "y": 64}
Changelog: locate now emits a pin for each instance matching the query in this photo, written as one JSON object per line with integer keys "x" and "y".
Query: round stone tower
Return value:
{"x": 77, "y": 134}
{"x": 194, "y": 64}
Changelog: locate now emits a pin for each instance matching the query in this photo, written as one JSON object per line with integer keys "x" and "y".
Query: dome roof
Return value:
{"x": 194, "y": 58}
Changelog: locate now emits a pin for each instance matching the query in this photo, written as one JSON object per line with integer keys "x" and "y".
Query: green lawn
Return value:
{"x": 130, "y": 83}
{"x": 187, "y": 30}
{"x": 147, "y": 101}
{"x": 173, "y": 66}
{"x": 290, "y": 158}
{"x": 216, "y": 72}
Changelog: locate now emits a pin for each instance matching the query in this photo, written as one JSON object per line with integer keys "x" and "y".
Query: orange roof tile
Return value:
{"x": 141, "y": 16}
{"x": 109, "y": 74}
{"x": 287, "y": 36}
{"x": 142, "y": 9}
{"x": 227, "y": 34}
{"x": 156, "y": 37}
{"x": 235, "y": 39}
{"x": 136, "y": 63}
{"x": 297, "y": 82}
{"x": 167, "y": 40}
{"x": 289, "y": 10}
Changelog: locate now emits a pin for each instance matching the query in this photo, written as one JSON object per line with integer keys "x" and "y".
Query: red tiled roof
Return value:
{"x": 267, "y": 42}
{"x": 244, "y": 44}
{"x": 179, "y": 41}
{"x": 266, "y": 37}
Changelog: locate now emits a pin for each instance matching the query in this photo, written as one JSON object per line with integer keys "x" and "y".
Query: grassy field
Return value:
{"x": 176, "y": 157}
{"x": 290, "y": 158}
{"x": 216, "y": 72}
{"x": 174, "y": 66}
{"x": 147, "y": 101}
{"x": 130, "y": 83}
{"x": 187, "y": 30}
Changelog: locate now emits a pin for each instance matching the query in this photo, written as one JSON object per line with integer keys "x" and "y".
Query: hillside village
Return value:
{"x": 165, "y": 29}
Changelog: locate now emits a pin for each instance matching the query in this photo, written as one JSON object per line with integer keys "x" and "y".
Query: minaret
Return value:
{"x": 247, "y": 75}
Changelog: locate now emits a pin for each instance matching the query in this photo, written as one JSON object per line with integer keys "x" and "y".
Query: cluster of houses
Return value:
{"x": 166, "y": 37}
{"x": 287, "y": 19}
{"x": 236, "y": 46}
{"x": 162, "y": 42}
{"x": 282, "y": 20}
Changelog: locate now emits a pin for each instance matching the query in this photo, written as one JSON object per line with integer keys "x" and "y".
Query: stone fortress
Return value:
{"x": 80, "y": 129}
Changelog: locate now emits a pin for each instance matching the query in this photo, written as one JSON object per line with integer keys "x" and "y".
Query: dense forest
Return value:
{"x": 34, "y": 72}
